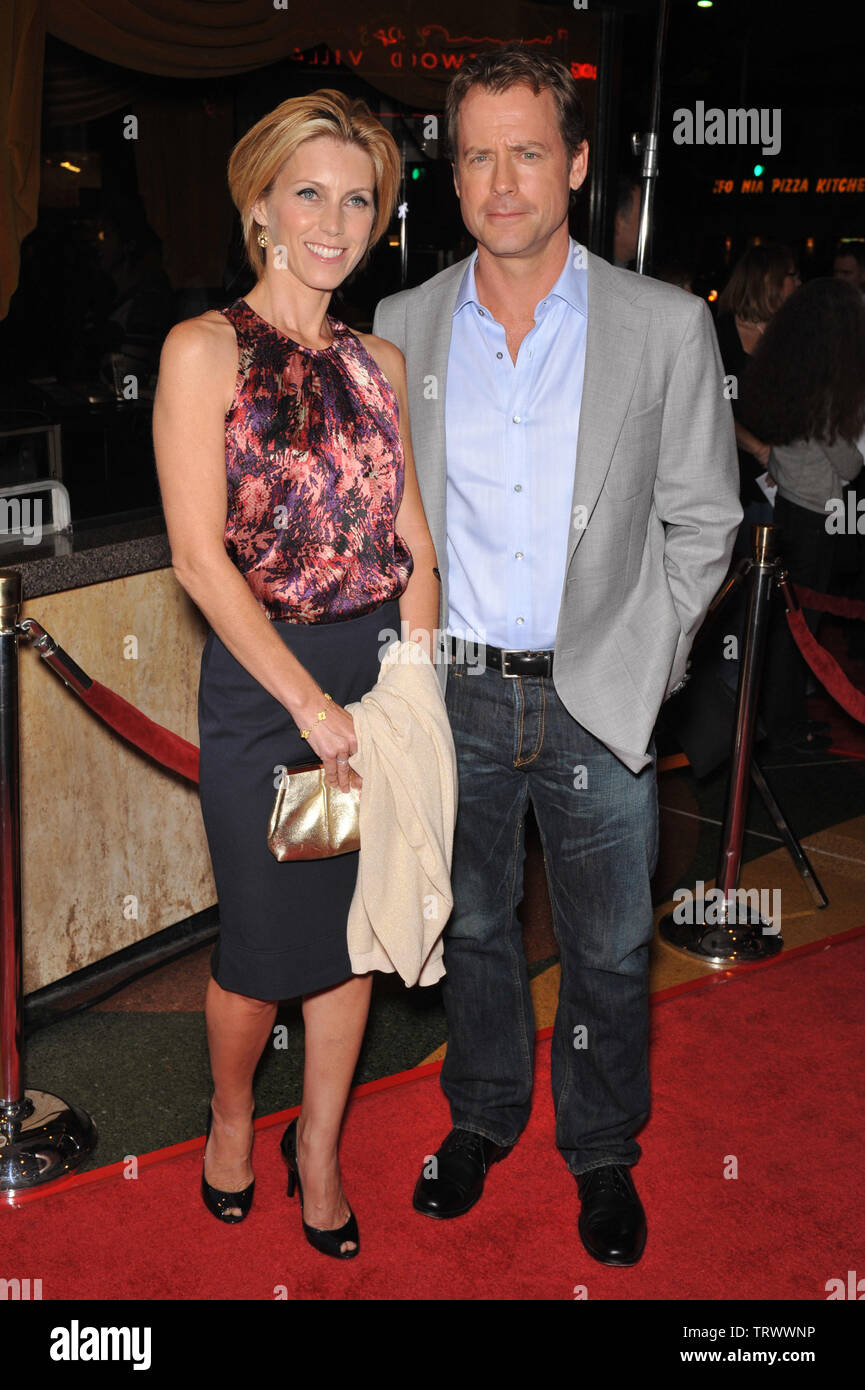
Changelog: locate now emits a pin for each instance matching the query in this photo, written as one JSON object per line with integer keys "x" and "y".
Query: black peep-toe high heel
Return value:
{"x": 220, "y": 1203}
{"x": 328, "y": 1242}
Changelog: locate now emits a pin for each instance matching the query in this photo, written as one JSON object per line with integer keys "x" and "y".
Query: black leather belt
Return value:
{"x": 511, "y": 663}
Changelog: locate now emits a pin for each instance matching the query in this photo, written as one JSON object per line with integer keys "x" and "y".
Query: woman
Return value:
{"x": 296, "y": 526}
{"x": 762, "y": 279}
{"x": 805, "y": 393}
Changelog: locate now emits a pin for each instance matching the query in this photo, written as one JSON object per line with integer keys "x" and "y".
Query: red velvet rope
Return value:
{"x": 828, "y": 603}
{"x": 824, "y": 665}
{"x": 180, "y": 756}
{"x": 154, "y": 740}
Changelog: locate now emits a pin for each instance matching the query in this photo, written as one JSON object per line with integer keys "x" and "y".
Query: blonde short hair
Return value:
{"x": 255, "y": 161}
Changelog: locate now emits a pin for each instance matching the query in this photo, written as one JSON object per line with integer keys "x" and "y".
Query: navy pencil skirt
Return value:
{"x": 282, "y": 926}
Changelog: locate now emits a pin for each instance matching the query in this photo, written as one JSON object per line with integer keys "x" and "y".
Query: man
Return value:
{"x": 850, "y": 263}
{"x": 626, "y": 225}
{"x": 577, "y": 463}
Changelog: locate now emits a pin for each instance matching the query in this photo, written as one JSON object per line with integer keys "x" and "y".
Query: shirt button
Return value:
{"x": 521, "y": 620}
{"x": 518, "y": 487}
{"x": 517, "y": 419}
{"x": 499, "y": 354}
{"x": 518, "y": 554}
{"x": 481, "y": 312}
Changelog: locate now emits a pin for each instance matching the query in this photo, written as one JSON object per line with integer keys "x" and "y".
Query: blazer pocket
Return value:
{"x": 635, "y": 457}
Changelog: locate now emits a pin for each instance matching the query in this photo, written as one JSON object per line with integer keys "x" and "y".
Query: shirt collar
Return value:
{"x": 570, "y": 286}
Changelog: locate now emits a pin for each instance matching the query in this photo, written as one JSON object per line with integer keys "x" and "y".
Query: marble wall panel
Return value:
{"x": 113, "y": 845}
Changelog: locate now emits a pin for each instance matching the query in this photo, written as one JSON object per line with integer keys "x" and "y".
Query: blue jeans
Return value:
{"x": 598, "y": 825}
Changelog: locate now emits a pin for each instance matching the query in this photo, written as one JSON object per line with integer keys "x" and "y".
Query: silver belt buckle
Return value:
{"x": 509, "y": 675}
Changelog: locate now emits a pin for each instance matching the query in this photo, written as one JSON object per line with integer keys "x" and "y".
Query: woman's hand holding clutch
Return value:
{"x": 331, "y": 739}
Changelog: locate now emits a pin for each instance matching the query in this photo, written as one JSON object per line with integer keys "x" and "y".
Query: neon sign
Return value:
{"x": 802, "y": 184}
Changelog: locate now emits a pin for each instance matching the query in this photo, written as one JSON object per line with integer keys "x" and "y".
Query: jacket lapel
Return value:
{"x": 429, "y": 326}
{"x": 615, "y": 339}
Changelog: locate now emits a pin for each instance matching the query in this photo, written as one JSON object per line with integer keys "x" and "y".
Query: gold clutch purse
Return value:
{"x": 311, "y": 820}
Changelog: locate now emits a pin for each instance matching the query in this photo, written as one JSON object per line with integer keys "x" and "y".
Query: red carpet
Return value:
{"x": 764, "y": 1067}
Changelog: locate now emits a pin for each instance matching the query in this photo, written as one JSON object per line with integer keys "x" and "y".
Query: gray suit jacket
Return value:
{"x": 656, "y": 489}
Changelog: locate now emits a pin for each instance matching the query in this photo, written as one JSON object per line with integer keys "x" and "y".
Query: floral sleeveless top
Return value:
{"x": 315, "y": 469}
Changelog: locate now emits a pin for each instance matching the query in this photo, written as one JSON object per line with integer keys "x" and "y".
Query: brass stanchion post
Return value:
{"x": 41, "y": 1137}
{"x": 730, "y": 931}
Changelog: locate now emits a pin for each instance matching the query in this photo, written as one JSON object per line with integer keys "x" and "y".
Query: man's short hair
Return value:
{"x": 856, "y": 249}
{"x": 626, "y": 186}
{"x": 509, "y": 66}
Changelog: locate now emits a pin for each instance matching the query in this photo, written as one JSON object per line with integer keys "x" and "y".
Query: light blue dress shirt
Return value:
{"x": 511, "y": 434}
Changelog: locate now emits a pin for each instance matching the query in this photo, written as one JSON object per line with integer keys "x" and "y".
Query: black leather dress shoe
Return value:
{"x": 460, "y": 1167}
{"x": 612, "y": 1222}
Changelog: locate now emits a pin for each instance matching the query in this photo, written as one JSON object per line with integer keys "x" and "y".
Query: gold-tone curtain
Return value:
{"x": 75, "y": 91}
{"x": 191, "y": 38}
{"x": 188, "y": 208}
{"x": 183, "y": 138}
{"x": 393, "y": 45}
{"x": 22, "y": 49}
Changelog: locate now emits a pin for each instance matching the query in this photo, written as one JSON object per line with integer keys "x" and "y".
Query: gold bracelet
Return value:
{"x": 322, "y": 714}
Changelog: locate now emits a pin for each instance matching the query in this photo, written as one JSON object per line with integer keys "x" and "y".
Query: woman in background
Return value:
{"x": 805, "y": 394}
{"x": 761, "y": 281}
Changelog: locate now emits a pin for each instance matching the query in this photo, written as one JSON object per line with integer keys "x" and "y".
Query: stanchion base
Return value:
{"x": 42, "y": 1138}
{"x": 722, "y": 944}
